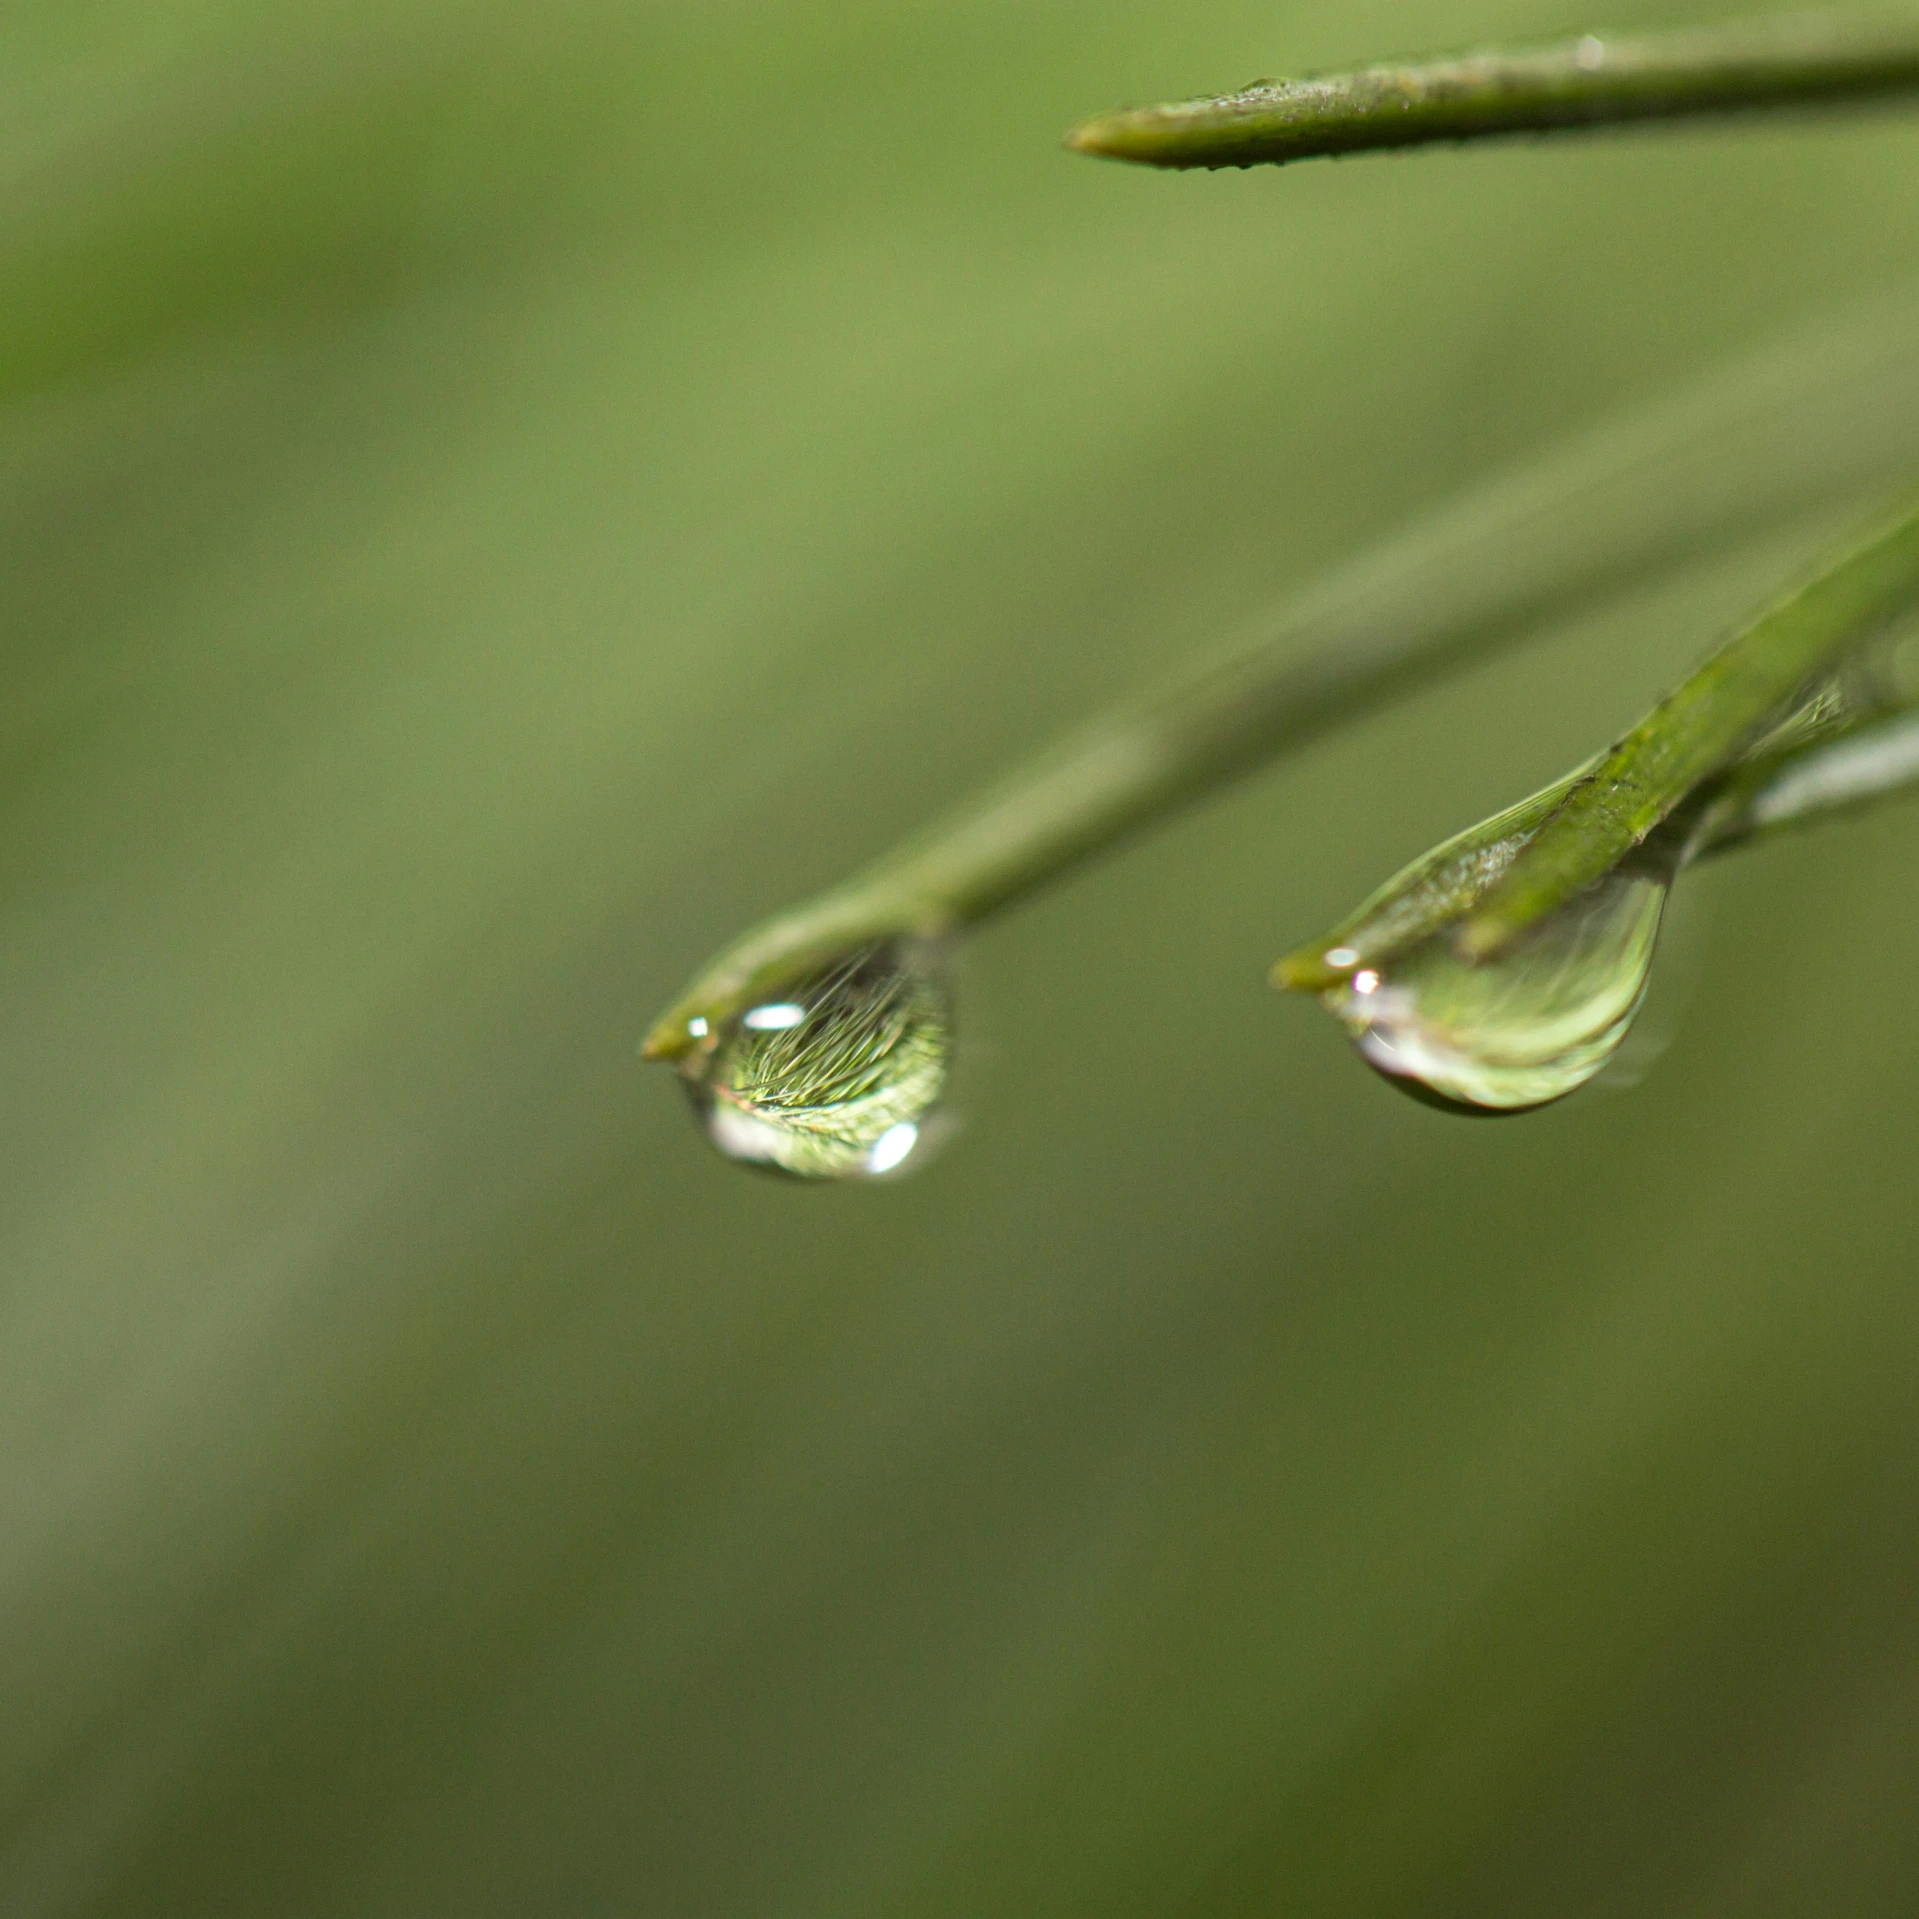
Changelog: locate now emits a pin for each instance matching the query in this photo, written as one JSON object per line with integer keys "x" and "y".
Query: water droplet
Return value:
{"x": 835, "y": 1078}
{"x": 1537, "y": 1023}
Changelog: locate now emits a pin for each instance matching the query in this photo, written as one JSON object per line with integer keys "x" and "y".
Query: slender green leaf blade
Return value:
{"x": 1697, "y": 730}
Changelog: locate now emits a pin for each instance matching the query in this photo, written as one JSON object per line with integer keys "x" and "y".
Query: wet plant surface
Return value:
{"x": 497, "y": 500}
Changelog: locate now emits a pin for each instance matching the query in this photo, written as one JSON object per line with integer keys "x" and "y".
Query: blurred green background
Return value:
{"x": 495, "y": 499}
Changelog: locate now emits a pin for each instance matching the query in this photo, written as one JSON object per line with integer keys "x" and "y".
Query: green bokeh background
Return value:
{"x": 495, "y": 498}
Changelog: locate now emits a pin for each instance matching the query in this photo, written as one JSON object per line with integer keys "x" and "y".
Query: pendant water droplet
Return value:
{"x": 837, "y": 1076}
{"x": 1518, "y": 1032}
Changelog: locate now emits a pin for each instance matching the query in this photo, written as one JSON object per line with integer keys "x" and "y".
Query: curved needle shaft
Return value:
{"x": 1790, "y": 430}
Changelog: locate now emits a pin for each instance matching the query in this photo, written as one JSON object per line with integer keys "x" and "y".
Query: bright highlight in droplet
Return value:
{"x": 1341, "y": 956}
{"x": 697, "y": 1027}
{"x": 780, "y": 1017}
{"x": 1365, "y": 982}
{"x": 892, "y": 1147}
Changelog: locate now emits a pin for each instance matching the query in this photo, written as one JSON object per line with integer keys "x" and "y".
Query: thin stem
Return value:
{"x": 1855, "y": 740}
{"x": 1746, "y": 747}
{"x": 1788, "y": 431}
{"x": 1583, "y": 83}
{"x": 1697, "y": 731}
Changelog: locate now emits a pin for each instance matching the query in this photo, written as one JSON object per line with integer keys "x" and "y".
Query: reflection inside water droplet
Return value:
{"x": 836, "y": 1077}
{"x": 777, "y": 1018}
{"x": 1520, "y": 1031}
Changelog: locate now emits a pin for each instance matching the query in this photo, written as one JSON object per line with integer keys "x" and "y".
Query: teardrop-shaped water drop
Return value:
{"x": 1522, "y": 1030}
{"x": 837, "y": 1077}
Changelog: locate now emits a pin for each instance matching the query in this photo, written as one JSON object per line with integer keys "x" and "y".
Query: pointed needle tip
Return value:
{"x": 1304, "y": 972}
{"x": 1106, "y": 137}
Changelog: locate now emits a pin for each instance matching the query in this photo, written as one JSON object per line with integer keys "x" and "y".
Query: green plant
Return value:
{"x": 1501, "y": 970}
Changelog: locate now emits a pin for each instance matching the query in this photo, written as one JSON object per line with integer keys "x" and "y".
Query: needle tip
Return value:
{"x": 1308, "y": 971}
{"x": 1116, "y": 136}
{"x": 664, "y": 1043}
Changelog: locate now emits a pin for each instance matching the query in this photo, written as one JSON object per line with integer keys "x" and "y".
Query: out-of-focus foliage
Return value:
{"x": 496, "y": 498}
